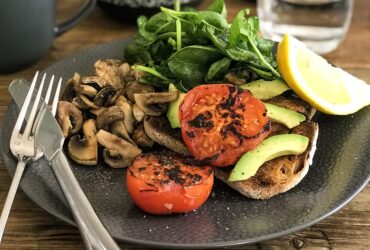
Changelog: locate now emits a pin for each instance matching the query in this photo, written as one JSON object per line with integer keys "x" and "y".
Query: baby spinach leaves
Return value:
{"x": 192, "y": 47}
{"x": 218, "y": 69}
{"x": 191, "y": 63}
{"x": 244, "y": 33}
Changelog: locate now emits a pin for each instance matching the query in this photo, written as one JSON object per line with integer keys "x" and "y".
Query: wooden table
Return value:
{"x": 30, "y": 227}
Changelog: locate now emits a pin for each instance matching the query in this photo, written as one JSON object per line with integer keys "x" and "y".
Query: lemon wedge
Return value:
{"x": 329, "y": 89}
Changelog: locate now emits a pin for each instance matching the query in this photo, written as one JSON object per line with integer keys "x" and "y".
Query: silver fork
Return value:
{"x": 22, "y": 144}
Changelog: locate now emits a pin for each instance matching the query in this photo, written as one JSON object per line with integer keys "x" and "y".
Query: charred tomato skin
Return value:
{"x": 220, "y": 122}
{"x": 165, "y": 183}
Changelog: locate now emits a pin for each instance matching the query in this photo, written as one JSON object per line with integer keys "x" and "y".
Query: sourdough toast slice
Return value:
{"x": 158, "y": 128}
{"x": 283, "y": 173}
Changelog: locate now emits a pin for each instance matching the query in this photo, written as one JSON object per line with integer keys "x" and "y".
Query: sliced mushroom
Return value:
{"x": 146, "y": 101}
{"x": 134, "y": 87}
{"x": 79, "y": 103}
{"x": 118, "y": 128}
{"x": 137, "y": 74}
{"x": 110, "y": 115}
{"x": 109, "y": 70}
{"x": 69, "y": 118}
{"x": 91, "y": 80}
{"x": 125, "y": 69}
{"x": 105, "y": 96}
{"x": 69, "y": 92}
{"x": 138, "y": 113}
{"x": 97, "y": 112}
{"x": 85, "y": 90}
{"x": 141, "y": 138}
{"x": 88, "y": 102}
{"x": 118, "y": 153}
{"x": 84, "y": 150}
{"x": 126, "y": 108}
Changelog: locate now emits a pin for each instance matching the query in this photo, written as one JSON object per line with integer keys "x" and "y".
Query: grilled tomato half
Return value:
{"x": 220, "y": 122}
{"x": 167, "y": 182}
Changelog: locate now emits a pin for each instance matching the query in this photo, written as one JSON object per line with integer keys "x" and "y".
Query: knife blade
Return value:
{"x": 49, "y": 138}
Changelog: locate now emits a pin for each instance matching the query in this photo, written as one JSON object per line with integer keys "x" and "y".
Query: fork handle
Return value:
{"x": 11, "y": 194}
{"x": 93, "y": 231}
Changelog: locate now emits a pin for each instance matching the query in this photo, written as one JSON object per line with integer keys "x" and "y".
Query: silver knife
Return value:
{"x": 49, "y": 138}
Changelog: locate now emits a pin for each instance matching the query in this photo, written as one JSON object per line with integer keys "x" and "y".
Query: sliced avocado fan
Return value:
{"x": 271, "y": 148}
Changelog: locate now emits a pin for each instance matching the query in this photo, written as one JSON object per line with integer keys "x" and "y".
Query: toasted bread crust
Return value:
{"x": 160, "y": 131}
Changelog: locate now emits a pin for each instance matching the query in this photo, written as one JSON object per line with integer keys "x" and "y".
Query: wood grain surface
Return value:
{"x": 30, "y": 227}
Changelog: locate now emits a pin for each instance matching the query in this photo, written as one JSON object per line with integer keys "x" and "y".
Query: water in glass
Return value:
{"x": 320, "y": 24}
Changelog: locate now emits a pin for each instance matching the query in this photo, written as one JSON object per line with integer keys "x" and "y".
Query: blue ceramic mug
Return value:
{"x": 28, "y": 28}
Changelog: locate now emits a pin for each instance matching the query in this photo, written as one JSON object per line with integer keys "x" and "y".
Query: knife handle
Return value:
{"x": 93, "y": 231}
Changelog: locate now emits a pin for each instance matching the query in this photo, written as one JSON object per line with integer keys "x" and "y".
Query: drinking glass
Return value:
{"x": 320, "y": 24}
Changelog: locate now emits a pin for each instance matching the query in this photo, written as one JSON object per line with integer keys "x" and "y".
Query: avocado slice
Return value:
{"x": 271, "y": 148}
{"x": 173, "y": 108}
{"x": 287, "y": 117}
{"x": 264, "y": 90}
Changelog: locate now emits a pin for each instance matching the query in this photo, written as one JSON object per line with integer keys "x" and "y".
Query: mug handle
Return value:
{"x": 82, "y": 13}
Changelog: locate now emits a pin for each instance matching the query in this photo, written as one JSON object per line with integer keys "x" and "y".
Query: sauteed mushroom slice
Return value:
{"x": 97, "y": 112}
{"x": 85, "y": 90}
{"x": 138, "y": 113}
{"x": 118, "y": 128}
{"x": 69, "y": 118}
{"x": 84, "y": 150}
{"x": 110, "y": 115}
{"x": 136, "y": 87}
{"x": 109, "y": 70}
{"x": 92, "y": 80}
{"x": 141, "y": 138}
{"x": 104, "y": 97}
{"x": 88, "y": 102}
{"x": 126, "y": 108}
{"x": 69, "y": 92}
{"x": 79, "y": 103}
{"x": 146, "y": 102}
{"x": 125, "y": 69}
{"x": 118, "y": 153}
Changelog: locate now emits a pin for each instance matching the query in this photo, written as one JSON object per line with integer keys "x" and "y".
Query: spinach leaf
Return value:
{"x": 197, "y": 17}
{"x": 191, "y": 64}
{"x": 219, "y": 7}
{"x": 141, "y": 23}
{"x": 220, "y": 39}
{"x": 247, "y": 28}
{"x": 160, "y": 51}
{"x": 135, "y": 53}
{"x": 218, "y": 69}
{"x": 158, "y": 22}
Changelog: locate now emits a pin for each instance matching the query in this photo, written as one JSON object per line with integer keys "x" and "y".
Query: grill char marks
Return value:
{"x": 167, "y": 167}
{"x": 230, "y": 128}
{"x": 190, "y": 134}
{"x": 229, "y": 102}
{"x": 175, "y": 174}
{"x": 202, "y": 121}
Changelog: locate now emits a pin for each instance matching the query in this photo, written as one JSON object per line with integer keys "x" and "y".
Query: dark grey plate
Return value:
{"x": 340, "y": 170}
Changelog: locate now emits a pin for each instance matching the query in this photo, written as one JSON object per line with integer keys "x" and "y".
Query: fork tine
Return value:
{"x": 56, "y": 98}
{"x": 48, "y": 92}
{"x": 44, "y": 105}
{"x": 22, "y": 113}
{"x": 32, "y": 116}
